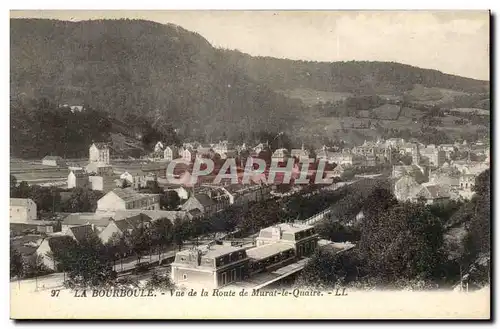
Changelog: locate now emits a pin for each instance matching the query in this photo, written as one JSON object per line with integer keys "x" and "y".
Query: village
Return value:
{"x": 139, "y": 196}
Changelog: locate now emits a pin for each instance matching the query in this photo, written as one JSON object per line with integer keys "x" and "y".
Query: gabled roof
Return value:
{"x": 204, "y": 199}
{"x": 86, "y": 218}
{"x": 26, "y": 244}
{"x": 52, "y": 157}
{"x": 433, "y": 192}
{"x": 82, "y": 232}
{"x": 129, "y": 194}
{"x": 128, "y": 222}
{"x": 101, "y": 145}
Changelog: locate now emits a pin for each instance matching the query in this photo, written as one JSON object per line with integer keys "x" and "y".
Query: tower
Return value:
{"x": 415, "y": 154}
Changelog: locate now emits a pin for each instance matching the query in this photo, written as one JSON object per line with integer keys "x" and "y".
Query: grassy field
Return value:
{"x": 311, "y": 97}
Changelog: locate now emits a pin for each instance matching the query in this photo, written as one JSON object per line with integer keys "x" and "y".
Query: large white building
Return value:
{"x": 99, "y": 152}
{"x": 22, "y": 210}
{"x": 127, "y": 198}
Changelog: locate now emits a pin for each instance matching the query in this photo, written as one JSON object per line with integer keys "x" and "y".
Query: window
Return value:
{"x": 240, "y": 255}
{"x": 233, "y": 275}
{"x": 223, "y": 279}
{"x": 184, "y": 276}
{"x": 221, "y": 261}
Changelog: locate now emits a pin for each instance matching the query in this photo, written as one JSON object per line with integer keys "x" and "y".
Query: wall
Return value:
{"x": 194, "y": 277}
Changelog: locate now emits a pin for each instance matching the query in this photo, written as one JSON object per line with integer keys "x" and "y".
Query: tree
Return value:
{"x": 403, "y": 242}
{"x": 140, "y": 241}
{"x": 170, "y": 200}
{"x": 16, "y": 263}
{"x": 13, "y": 186}
{"x": 160, "y": 282}
{"x": 87, "y": 263}
{"x": 180, "y": 232}
{"x": 82, "y": 200}
{"x": 117, "y": 247}
{"x": 328, "y": 269}
{"x": 161, "y": 234}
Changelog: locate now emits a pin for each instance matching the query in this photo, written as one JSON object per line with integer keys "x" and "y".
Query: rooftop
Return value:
{"x": 267, "y": 250}
{"x": 26, "y": 244}
{"x": 86, "y": 218}
{"x": 101, "y": 146}
{"x": 129, "y": 194}
{"x": 17, "y": 202}
{"x": 214, "y": 251}
{"x": 82, "y": 232}
{"x": 52, "y": 157}
{"x": 288, "y": 228}
{"x": 264, "y": 279}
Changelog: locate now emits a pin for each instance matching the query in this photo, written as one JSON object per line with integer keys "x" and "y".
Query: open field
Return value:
{"x": 311, "y": 97}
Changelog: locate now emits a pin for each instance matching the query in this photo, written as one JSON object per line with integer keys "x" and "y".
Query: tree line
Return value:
{"x": 403, "y": 244}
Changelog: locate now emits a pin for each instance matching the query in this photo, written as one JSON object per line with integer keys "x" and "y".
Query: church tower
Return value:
{"x": 415, "y": 154}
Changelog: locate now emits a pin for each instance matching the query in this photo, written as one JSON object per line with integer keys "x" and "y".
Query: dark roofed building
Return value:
{"x": 122, "y": 224}
{"x": 205, "y": 203}
{"x": 82, "y": 233}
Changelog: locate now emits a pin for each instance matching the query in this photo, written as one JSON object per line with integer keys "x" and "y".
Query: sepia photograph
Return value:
{"x": 224, "y": 164}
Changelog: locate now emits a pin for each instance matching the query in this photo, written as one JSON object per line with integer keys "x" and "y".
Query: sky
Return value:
{"x": 455, "y": 42}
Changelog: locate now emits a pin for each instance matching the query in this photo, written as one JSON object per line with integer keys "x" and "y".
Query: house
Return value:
{"x": 170, "y": 153}
{"x": 344, "y": 158}
{"x": 417, "y": 172}
{"x": 280, "y": 155}
{"x": 241, "y": 194}
{"x": 269, "y": 257}
{"x": 207, "y": 204}
{"x": 224, "y": 149}
{"x": 395, "y": 143}
{"x": 433, "y": 193}
{"x": 302, "y": 238}
{"x": 127, "y": 198}
{"x": 22, "y": 210}
{"x": 53, "y": 161}
{"x": 444, "y": 176}
{"x": 448, "y": 150}
{"x": 158, "y": 147}
{"x": 301, "y": 154}
{"x": 97, "y": 221}
{"x": 338, "y": 171}
{"x": 81, "y": 233}
{"x": 204, "y": 151}
{"x": 154, "y": 215}
{"x": 211, "y": 267}
{"x": 138, "y": 178}
{"x": 34, "y": 227}
{"x": 99, "y": 152}
{"x": 323, "y": 154}
{"x": 127, "y": 225}
{"x": 180, "y": 190}
{"x": 435, "y": 157}
{"x": 378, "y": 151}
{"x": 260, "y": 147}
{"x": 188, "y": 154}
{"x": 405, "y": 188}
{"x": 26, "y": 245}
{"x": 78, "y": 179}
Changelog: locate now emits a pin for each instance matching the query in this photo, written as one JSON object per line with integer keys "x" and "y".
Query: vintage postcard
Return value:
{"x": 250, "y": 164}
